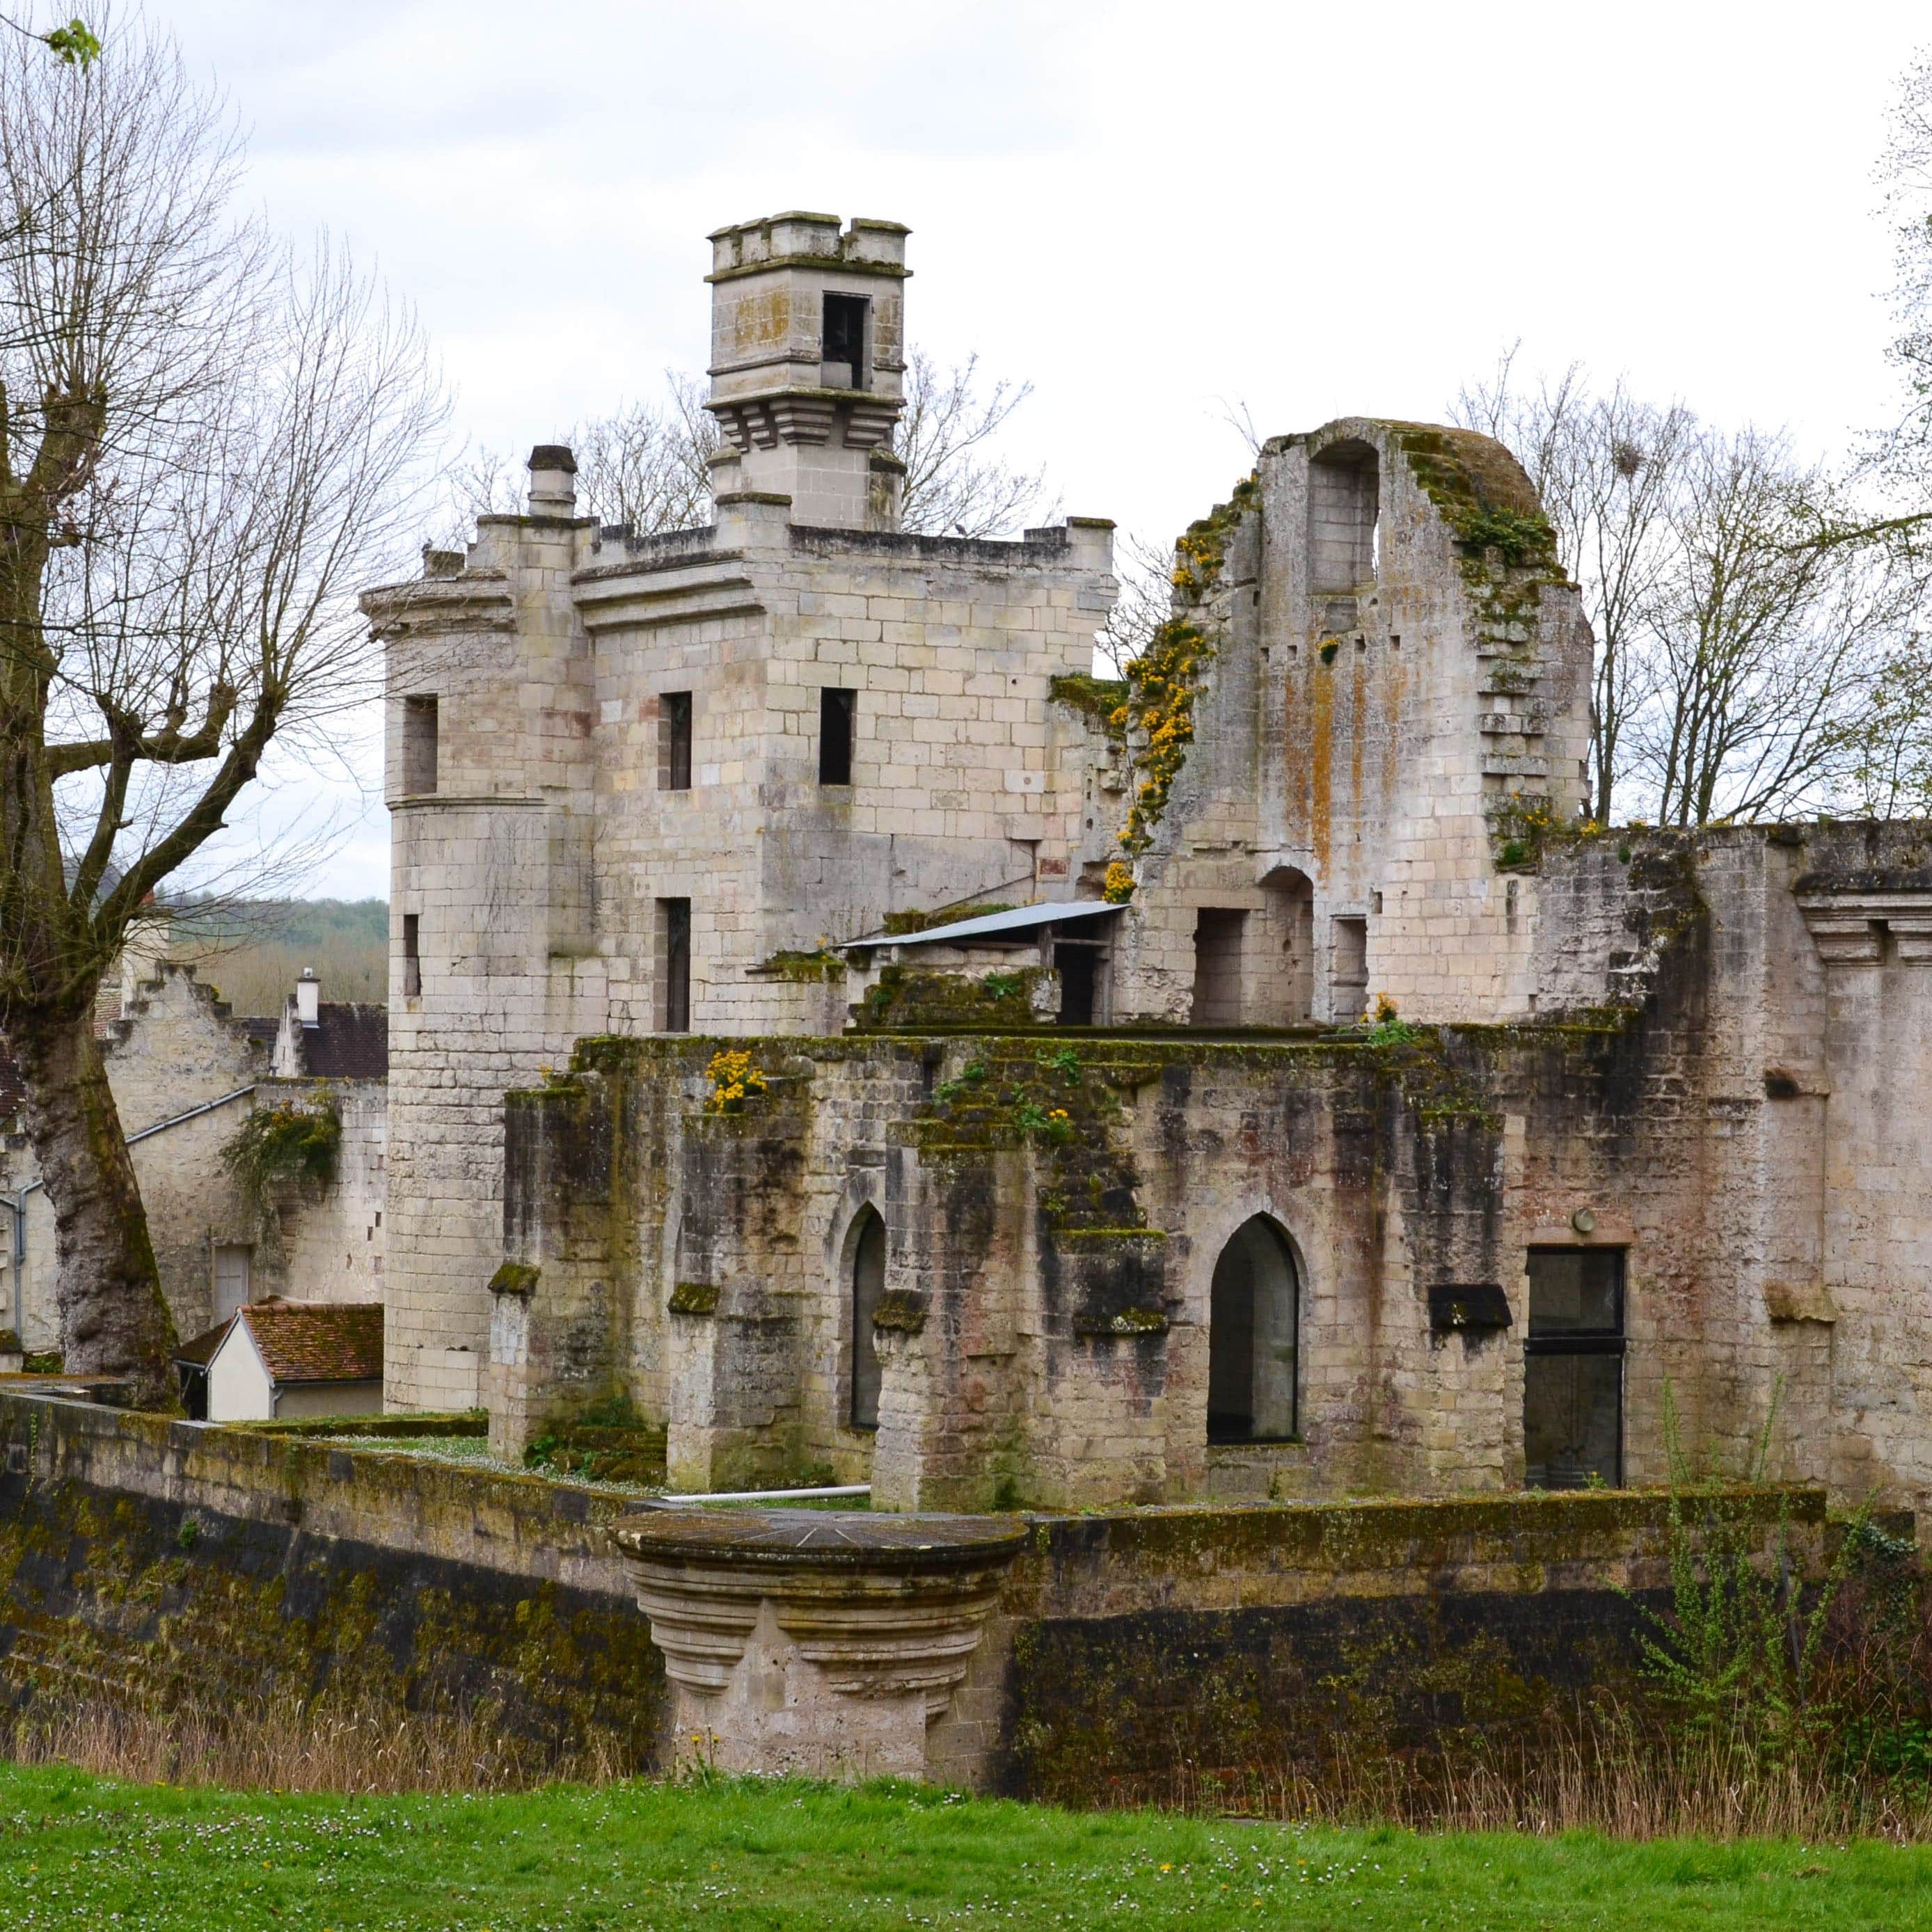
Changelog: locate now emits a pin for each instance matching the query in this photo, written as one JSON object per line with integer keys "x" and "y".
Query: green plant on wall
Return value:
{"x": 1164, "y": 680}
{"x": 284, "y": 1145}
{"x": 1736, "y": 1654}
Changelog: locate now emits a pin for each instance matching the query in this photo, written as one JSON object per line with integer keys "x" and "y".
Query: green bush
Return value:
{"x": 283, "y": 1144}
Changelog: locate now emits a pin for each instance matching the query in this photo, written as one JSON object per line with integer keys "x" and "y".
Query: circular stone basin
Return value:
{"x": 782, "y": 1540}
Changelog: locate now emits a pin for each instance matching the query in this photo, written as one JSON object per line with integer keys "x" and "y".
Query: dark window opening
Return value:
{"x": 868, "y": 1283}
{"x": 836, "y": 710}
{"x": 674, "y": 741}
{"x": 673, "y": 965}
{"x": 1217, "y": 967}
{"x": 1572, "y": 1371}
{"x": 419, "y": 746}
{"x": 412, "y": 955}
{"x": 1253, "y": 1320}
{"x": 844, "y": 337}
{"x": 1078, "y": 966}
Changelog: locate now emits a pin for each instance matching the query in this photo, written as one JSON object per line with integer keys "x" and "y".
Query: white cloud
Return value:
{"x": 1145, "y": 209}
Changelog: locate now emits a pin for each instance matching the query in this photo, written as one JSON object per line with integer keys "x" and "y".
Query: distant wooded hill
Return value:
{"x": 254, "y": 951}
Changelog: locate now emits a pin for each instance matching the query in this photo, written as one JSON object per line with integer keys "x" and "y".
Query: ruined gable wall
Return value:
{"x": 1392, "y": 673}
{"x": 175, "y": 1048}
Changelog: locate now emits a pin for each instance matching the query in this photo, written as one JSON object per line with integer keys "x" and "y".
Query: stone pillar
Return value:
{"x": 809, "y": 1641}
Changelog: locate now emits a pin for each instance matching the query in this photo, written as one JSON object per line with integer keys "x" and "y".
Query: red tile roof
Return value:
{"x": 318, "y": 1341}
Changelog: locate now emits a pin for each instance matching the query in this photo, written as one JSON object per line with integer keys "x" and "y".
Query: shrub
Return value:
{"x": 284, "y": 1145}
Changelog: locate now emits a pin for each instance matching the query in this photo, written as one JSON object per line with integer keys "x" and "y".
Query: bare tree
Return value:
{"x": 648, "y": 465}
{"x": 649, "y": 469}
{"x": 956, "y": 484}
{"x": 1905, "y": 451}
{"x": 1145, "y": 572}
{"x": 1606, "y": 467}
{"x": 1766, "y": 648}
{"x": 205, "y": 443}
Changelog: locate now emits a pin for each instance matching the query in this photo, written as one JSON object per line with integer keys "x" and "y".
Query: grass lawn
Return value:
{"x": 77, "y": 1851}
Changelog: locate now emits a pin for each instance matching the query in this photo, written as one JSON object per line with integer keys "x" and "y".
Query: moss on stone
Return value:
{"x": 515, "y": 1278}
{"x": 822, "y": 966}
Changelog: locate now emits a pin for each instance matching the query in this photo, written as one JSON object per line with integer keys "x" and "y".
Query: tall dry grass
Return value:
{"x": 292, "y": 1744}
{"x": 1610, "y": 1772}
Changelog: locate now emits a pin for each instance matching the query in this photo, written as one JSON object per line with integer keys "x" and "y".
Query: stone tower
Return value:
{"x": 639, "y": 780}
{"x": 808, "y": 350}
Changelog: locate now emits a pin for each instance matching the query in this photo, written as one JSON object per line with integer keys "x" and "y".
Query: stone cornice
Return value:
{"x": 1851, "y": 926}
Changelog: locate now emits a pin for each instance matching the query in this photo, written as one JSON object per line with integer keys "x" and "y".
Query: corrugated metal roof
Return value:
{"x": 994, "y": 925}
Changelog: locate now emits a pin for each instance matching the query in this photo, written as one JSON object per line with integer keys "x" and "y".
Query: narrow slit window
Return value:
{"x": 673, "y": 965}
{"x": 869, "y": 1284}
{"x": 412, "y": 955}
{"x": 842, "y": 357}
{"x": 837, "y": 714}
{"x": 419, "y": 746}
{"x": 674, "y": 741}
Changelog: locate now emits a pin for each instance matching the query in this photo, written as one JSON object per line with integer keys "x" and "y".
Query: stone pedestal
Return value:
{"x": 809, "y": 1641}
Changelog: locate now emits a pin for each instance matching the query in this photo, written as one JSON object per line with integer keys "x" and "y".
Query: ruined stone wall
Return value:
{"x": 1715, "y": 1114}
{"x": 1389, "y": 704}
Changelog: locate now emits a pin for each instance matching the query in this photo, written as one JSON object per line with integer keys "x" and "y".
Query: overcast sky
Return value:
{"x": 1149, "y": 211}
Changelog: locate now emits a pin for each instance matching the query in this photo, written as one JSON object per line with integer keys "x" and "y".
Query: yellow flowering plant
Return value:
{"x": 734, "y": 1080}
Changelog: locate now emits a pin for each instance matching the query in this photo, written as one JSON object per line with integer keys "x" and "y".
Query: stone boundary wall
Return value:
{"x": 1137, "y": 1650}
{"x": 1233, "y": 1638}
{"x": 156, "y": 1566}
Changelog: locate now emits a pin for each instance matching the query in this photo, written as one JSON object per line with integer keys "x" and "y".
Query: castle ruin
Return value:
{"x": 1249, "y": 1080}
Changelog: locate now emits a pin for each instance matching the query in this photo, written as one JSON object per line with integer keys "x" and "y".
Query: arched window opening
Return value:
{"x": 868, "y": 1283}
{"x": 1253, "y": 1317}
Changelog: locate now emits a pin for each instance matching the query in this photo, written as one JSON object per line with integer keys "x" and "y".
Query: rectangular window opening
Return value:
{"x": 674, "y": 741}
{"x": 1218, "y": 934}
{"x": 1572, "y": 1380}
{"x": 843, "y": 347}
{"x": 837, "y": 717}
{"x": 1078, "y": 966}
{"x": 674, "y": 951}
{"x": 1348, "y": 980}
{"x": 412, "y": 955}
{"x": 419, "y": 746}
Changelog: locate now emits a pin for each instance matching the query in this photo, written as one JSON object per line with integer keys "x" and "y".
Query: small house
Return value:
{"x": 273, "y": 1359}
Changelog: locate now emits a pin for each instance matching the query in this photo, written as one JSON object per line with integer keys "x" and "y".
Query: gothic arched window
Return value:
{"x": 868, "y": 1283}
{"x": 1253, "y": 1320}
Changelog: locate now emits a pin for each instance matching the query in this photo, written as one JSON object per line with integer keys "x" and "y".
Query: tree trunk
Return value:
{"x": 114, "y": 1321}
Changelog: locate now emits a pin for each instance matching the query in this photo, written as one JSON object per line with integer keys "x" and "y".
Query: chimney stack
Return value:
{"x": 308, "y": 998}
{"x": 552, "y": 480}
